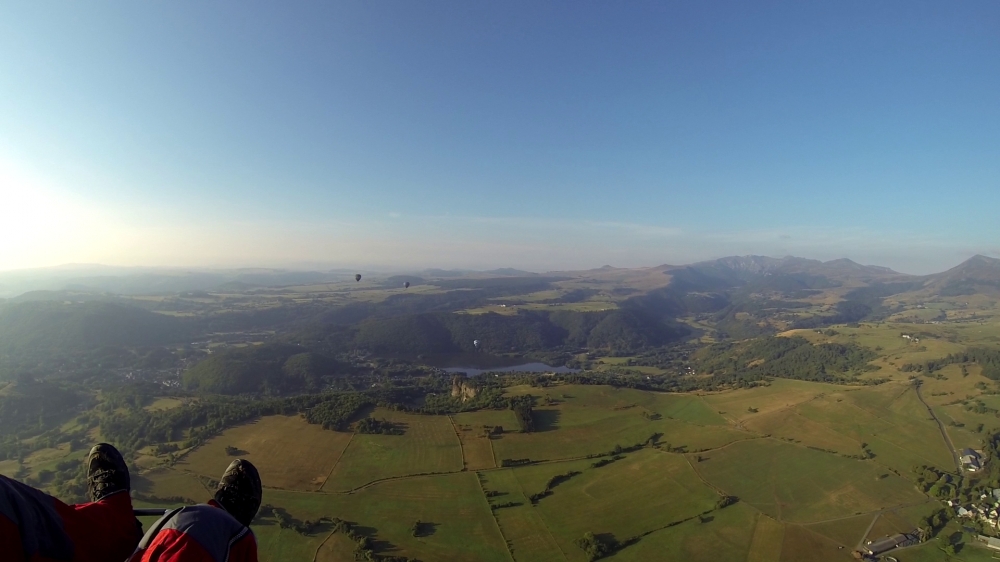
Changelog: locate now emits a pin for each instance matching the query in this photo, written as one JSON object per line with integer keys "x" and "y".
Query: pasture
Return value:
{"x": 849, "y": 531}
{"x": 796, "y": 484}
{"x": 796, "y": 502}
{"x": 802, "y": 544}
{"x": 646, "y": 491}
{"x": 724, "y": 535}
{"x": 768, "y": 536}
{"x": 522, "y": 526}
{"x": 289, "y": 452}
{"x": 459, "y": 525}
{"x": 429, "y": 445}
{"x": 171, "y": 483}
{"x": 587, "y": 420}
{"x": 738, "y": 405}
{"x": 477, "y": 448}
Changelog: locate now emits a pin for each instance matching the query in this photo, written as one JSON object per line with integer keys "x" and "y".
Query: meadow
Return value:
{"x": 814, "y": 468}
{"x": 294, "y": 454}
{"x": 803, "y": 492}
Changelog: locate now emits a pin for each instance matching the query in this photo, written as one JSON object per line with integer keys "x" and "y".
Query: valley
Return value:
{"x": 740, "y": 409}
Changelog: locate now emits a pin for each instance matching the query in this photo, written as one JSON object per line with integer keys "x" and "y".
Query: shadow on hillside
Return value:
{"x": 546, "y": 420}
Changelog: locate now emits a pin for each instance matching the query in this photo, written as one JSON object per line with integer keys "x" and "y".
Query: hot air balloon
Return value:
{"x": 406, "y": 284}
{"x": 357, "y": 277}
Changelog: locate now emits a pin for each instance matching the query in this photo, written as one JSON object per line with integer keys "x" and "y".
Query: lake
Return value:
{"x": 522, "y": 368}
{"x": 474, "y": 364}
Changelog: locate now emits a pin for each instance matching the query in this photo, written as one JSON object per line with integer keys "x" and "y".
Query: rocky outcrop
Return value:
{"x": 461, "y": 389}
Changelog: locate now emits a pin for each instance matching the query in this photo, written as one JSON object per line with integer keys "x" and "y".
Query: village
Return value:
{"x": 985, "y": 510}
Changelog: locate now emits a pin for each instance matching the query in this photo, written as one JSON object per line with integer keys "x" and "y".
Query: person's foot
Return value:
{"x": 239, "y": 491}
{"x": 107, "y": 472}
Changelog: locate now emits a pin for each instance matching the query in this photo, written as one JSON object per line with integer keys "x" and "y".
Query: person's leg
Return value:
{"x": 30, "y": 524}
{"x": 104, "y": 529}
{"x": 101, "y": 530}
{"x": 10, "y": 538}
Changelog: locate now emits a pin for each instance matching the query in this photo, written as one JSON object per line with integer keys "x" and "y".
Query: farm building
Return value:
{"x": 971, "y": 460}
{"x": 991, "y": 543}
{"x": 874, "y": 548}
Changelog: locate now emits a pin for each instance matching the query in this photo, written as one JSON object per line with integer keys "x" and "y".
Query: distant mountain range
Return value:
{"x": 979, "y": 273}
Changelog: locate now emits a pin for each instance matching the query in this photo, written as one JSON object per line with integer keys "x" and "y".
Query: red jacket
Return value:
{"x": 197, "y": 533}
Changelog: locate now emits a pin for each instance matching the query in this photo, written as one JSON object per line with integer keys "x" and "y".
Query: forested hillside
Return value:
{"x": 270, "y": 368}
{"x": 33, "y": 326}
{"x": 791, "y": 358}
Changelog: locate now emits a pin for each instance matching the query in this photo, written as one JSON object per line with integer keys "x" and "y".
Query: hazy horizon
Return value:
{"x": 538, "y": 136}
{"x": 389, "y": 269}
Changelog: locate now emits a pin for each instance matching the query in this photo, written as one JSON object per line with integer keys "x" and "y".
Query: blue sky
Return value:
{"x": 534, "y": 134}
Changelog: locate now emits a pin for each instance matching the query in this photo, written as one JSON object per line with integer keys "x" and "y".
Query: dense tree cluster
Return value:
{"x": 195, "y": 422}
{"x": 270, "y": 369}
{"x": 613, "y": 331}
{"x": 377, "y": 426}
{"x": 726, "y": 501}
{"x": 336, "y": 411}
{"x": 987, "y": 358}
{"x": 598, "y": 546}
{"x": 33, "y": 406}
{"x": 28, "y": 328}
{"x": 521, "y": 406}
{"x": 793, "y": 358}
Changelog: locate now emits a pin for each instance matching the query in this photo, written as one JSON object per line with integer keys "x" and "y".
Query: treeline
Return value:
{"x": 336, "y": 411}
{"x": 791, "y": 358}
{"x": 364, "y": 549}
{"x": 287, "y": 521}
{"x": 521, "y": 406}
{"x": 371, "y": 425}
{"x": 194, "y": 423}
{"x": 988, "y": 359}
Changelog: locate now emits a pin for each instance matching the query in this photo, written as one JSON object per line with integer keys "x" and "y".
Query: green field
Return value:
{"x": 293, "y": 454}
{"x": 726, "y": 536}
{"x": 796, "y": 484}
{"x": 799, "y": 496}
{"x": 429, "y": 445}
{"x": 589, "y": 420}
{"x": 795, "y": 502}
{"x": 454, "y": 505}
{"x": 645, "y": 492}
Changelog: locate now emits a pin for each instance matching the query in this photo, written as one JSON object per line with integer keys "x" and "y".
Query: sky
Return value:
{"x": 530, "y": 134}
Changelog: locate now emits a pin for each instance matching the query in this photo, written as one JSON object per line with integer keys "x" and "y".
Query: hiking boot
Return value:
{"x": 239, "y": 491}
{"x": 107, "y": 472}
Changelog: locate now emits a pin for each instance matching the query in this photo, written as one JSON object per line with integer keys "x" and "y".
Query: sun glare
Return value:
{"x": 39, "y": 226}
